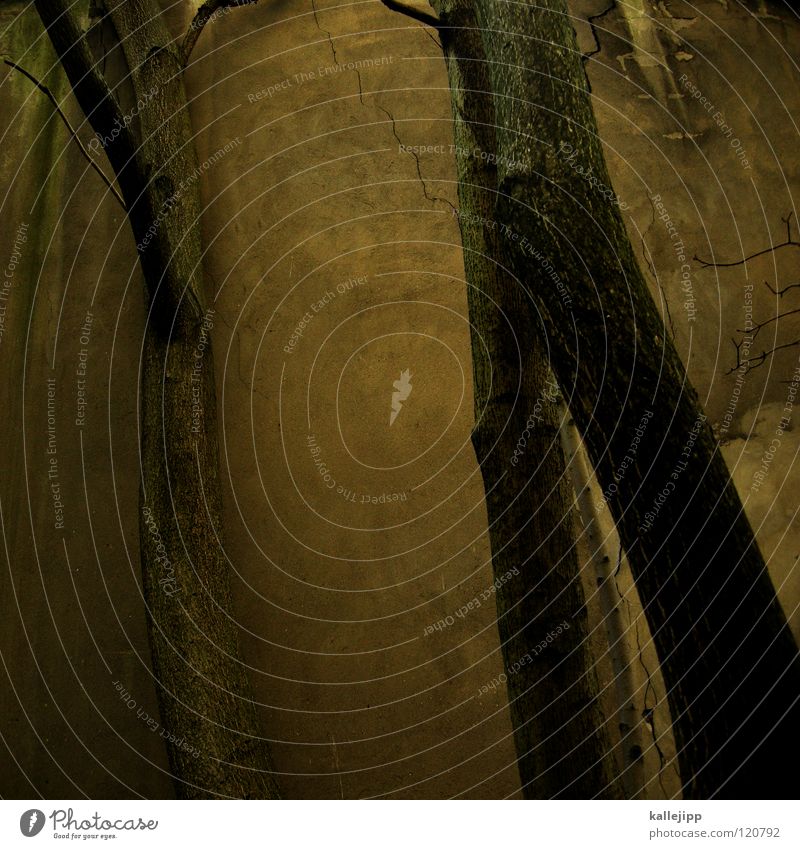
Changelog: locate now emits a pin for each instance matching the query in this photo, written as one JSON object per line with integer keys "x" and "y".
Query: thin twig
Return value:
{"x": 760, "y": 325}
{"x": 49, "y": 94}
{"x": 204, "y": 14}
{"x": 789, "y": 243}
{"x": 781, "y": 292}
{"x": 750, "y": 363}
{"x": 91, "y": 88}
{"x": 427, "y": 18}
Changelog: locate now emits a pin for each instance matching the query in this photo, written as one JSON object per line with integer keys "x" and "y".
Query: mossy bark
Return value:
{"x": 559, "y": 728}
{"x": 728, "y": 658}
{"x": 204, "y": 692}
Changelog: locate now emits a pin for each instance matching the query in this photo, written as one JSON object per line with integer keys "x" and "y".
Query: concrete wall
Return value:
{"x": 315, "y": 214}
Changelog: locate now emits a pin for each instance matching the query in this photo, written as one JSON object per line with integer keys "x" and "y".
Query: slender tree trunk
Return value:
{"x": 728, "y": 658}
{"x": 629, "y": 703}
{"x": 204, "y": 692}
{"x": 560, "y": 733}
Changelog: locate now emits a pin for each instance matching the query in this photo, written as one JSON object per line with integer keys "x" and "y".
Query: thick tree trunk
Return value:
{"x": 560, "y": 733}
{"x": 728, "y": 658}
{"x": 630, "y": 708}
{"x": 204, "y": 692}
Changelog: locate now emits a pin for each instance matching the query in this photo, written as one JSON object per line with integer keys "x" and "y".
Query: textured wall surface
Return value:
{"x": 333, "y": 263}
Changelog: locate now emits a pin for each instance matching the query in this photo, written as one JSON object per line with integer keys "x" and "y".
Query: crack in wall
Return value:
{"x": 321, "y": 29}
{"x": 649, "y": 712}
{"x": 360, "y": 87}
{"x": 590, "y": 19}
{"x": 431, "y": 198}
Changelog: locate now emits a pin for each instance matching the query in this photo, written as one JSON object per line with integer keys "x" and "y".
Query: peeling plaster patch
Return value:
{"x": 646, "y": 38}
{"x": 622, "y": 58}
{"x": 763, "y": 14}
{"x": 641, "y": 58}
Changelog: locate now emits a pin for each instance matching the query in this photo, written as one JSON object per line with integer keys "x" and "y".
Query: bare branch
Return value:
{"x": 89, "y": 86}
{"x": 789, "y": 243}
{"x": 204, "y": 14}
{"x": 760, "y": 325}
{"x": 781, "y": 292}
{"x": 750, "y": 363}
{"x": 49, "y": 94}
{"x": 427, "y": 18}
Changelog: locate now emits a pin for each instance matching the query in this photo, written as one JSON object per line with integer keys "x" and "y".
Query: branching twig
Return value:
{"x": 204, "y": 14}
{"x": 749, "y": 334}
{"x": 739, "y": 362}
{"x": 427, "y": 18}
{"x": 789, "y": 243}
{"x": 750, "y": 363}
{"x": 781, "y": 292}
{"x": 759, "y": 326}
{"x": 61, "y": 114}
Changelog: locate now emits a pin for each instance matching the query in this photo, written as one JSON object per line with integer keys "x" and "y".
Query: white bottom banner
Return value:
{"x": 402, "y": 824}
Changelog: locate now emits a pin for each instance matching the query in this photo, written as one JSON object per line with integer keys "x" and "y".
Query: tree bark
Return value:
{"x": 559, "y": 729}
{"x": 728, "y": 658}
{"x": 204, "y": 693}
{"x": 628, "y": 701}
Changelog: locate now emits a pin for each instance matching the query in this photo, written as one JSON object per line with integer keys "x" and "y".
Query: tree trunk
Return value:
{"x": 629, "y": 703}
{"x": 204, "y": 692}
{"x": 560, "y": 733}
{"x": 728, "y": 658}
